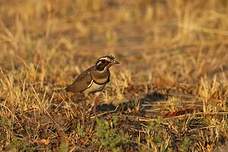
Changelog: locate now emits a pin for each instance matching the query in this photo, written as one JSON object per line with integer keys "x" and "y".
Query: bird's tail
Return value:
{"x": 69, "y": 88}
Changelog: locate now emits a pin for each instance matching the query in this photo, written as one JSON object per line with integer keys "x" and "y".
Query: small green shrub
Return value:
{"x": 109, "y": 136}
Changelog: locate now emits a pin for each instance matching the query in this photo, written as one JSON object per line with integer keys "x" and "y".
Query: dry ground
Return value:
{"x": 169, "y": 93}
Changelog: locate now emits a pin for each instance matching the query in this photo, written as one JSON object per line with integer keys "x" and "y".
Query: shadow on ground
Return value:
{"x": 130, "y": 105}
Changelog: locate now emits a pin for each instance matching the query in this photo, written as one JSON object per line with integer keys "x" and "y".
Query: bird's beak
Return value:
{"x": 116, "y": 62}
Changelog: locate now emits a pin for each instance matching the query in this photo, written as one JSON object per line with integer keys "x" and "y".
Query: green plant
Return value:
{"x": 109, "y": 136}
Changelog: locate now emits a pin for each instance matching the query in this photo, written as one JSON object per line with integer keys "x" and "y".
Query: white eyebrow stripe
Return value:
{"x": 106, "y": 58}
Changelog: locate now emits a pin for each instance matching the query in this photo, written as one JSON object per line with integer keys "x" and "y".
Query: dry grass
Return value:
{"x": 170, "y": 91}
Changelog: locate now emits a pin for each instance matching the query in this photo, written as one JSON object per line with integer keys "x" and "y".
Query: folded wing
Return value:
{"x": 81, "y": 83}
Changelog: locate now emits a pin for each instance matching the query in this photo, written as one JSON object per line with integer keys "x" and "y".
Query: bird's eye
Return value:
{"x": 105, "y": 62}
{"x": 101, "y": 62}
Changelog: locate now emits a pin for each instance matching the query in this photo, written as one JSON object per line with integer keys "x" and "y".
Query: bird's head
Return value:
{"x": 105, "y": 62}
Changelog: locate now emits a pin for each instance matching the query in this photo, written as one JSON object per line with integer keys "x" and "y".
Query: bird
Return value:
{"x": 94, "y": 79}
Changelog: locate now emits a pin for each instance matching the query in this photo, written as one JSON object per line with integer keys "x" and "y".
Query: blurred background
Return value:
{"x": 181, "y": 39}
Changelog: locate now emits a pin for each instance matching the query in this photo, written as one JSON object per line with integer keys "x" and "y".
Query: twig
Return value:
{"x": 183, "y": 116}
{"x": 104, "y": 113}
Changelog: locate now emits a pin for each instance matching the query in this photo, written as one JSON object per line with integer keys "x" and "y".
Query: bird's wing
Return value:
{"x": 82, "y": 82}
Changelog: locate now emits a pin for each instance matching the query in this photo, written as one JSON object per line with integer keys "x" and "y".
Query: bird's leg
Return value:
{"x": 95, "y": 103}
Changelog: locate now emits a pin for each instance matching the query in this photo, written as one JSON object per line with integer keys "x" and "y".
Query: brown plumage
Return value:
{"x": 94, "y": 78}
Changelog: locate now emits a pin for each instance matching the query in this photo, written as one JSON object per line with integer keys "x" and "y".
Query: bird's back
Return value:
{"x": 82, "y": 82}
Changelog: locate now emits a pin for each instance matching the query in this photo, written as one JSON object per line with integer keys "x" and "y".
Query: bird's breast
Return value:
{"x": 94, "y": 87}
{"x": 101, "y": 78}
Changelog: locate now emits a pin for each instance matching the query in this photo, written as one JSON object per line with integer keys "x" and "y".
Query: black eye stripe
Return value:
{"x": 104, "y": 61}
{"x": 101, "y": 64}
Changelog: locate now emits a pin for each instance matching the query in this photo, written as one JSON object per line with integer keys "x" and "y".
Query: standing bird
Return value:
{"x": 93, "y": 79}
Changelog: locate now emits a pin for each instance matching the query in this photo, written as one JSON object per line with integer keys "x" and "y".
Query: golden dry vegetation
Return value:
{"x": 170, "y": 92}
